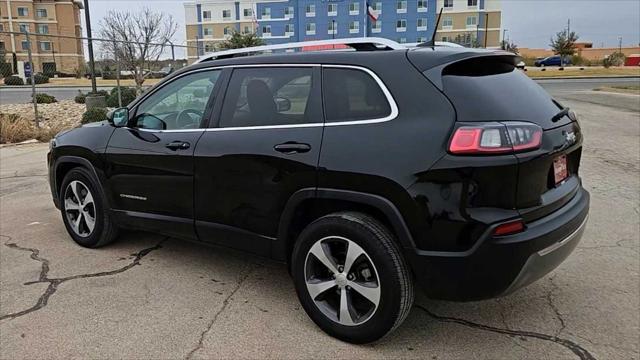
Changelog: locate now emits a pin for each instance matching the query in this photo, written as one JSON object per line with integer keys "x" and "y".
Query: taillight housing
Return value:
{"x": 495, "y": 138}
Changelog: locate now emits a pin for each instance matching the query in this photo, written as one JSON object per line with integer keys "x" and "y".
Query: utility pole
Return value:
{"x": 92, "y": 66}
{"x": 33, "y": 80}
{"x": 620, "y": 44}
{"x": 486, "y": 29}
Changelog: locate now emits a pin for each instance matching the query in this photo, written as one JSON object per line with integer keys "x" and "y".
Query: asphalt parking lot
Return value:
{"x": 148, "y": 296}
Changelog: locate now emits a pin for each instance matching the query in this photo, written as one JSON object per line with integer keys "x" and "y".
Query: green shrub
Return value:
{"x": 39, "y": 79}
{"x": 528, "y": 60}
{"x": 94, "y": 115}
{"x": 43, "y": 98}
{"x": 80, "y": 98}
{"x": 128, "y": 95}
{"x": 13, "y": 80}
{"x": 615, "y": 59}
{"x": 578, "y": 60}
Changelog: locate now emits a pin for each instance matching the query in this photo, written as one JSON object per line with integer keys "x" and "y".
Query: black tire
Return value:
{"x": 105, "y": 230}
{"x": 395, "y": 281}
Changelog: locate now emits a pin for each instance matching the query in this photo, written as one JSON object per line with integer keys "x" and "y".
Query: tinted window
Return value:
{"x": 268, "y": 96}
{"x": 351, "y": 94}
{"x": 178, "y": 105}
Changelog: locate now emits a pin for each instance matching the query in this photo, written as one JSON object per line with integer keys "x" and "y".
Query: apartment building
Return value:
{"x": 280, "y": 21}
{"x": 470, "y": 22}
{"x": 43, "y": 17}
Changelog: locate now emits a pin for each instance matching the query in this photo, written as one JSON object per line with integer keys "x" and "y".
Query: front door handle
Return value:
{"x": 292, "y": 148}
{"x": 178, "y": 145}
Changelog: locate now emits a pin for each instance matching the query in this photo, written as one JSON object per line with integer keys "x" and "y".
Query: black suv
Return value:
{"x": 365, "y": 171}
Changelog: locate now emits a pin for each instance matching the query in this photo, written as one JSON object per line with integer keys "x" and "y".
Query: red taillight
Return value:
{"x": 509, "y": 228}
{"x": 496, "y": 138}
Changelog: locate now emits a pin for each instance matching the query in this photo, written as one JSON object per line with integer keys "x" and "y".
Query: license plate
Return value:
{"x": 560, "y": 169}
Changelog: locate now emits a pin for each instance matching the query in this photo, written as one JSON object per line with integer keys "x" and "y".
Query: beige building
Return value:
{"x": 470, "y": 22}
{"x": 43, "y": 17}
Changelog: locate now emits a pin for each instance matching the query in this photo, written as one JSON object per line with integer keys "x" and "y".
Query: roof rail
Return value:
{"x": 368, "y": 43}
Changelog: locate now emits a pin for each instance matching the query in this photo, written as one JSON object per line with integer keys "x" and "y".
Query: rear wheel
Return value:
{"x": 83, "y": 210}
{"x": 351, "y": 278}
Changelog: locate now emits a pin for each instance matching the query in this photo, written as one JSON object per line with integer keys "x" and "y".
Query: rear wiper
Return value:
{"x": 564, "y": 112}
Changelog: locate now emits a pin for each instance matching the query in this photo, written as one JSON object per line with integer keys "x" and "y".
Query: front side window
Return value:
{"x": 180, "y": 104}
{"x": 351, "y": 95}
{"x": 41, "y": 13}
{"x": 268, "y": 96}
{"x": 23, "y": 11}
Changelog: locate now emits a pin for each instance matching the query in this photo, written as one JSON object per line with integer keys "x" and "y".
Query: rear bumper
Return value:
{"x": 497, "y": 266}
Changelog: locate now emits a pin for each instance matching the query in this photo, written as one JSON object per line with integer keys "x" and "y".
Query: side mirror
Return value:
{"x": 119, "y": 117}
{"x": 282, "y": 104}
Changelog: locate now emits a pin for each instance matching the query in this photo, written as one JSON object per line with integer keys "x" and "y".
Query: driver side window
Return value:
{"x": 178, "y": 105}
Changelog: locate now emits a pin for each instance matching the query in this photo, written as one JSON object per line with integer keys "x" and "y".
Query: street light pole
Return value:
{"x": 92, "y": 66}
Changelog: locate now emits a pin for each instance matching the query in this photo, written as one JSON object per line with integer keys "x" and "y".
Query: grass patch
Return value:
{"x": 14, "y": 129}
{"x": 596, "y": 71}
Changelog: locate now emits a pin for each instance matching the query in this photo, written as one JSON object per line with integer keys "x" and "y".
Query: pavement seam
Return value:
{"x": 55, "y": 282}
{"x": 225, "y": 302}
{"x": 581, "y": 352}
{"x": 550, "y": 300}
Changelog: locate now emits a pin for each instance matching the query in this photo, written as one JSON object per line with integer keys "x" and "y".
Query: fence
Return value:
{"x": 28, "y": 54}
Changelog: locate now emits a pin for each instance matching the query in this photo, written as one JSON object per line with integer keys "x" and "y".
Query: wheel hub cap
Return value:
{"x": 79, "y": 208}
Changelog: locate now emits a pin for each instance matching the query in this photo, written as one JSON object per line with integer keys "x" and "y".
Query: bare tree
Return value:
{"x": 139, "y": 39}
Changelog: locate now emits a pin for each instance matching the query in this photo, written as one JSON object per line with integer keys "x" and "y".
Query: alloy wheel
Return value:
{"x": 79, "y": 208}
{"x": 342, "y": 280}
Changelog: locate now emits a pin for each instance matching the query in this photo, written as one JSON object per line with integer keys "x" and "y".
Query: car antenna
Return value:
{"x": 432, "y": 42}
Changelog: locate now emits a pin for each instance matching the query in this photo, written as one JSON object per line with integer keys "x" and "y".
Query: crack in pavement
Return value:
{"x": 21, "y": 176}
{"x": 55, "y": 282}
{"x": 581, "y": 352}
{"x": 225, "y": 302}
{"x": 550, "y": 300}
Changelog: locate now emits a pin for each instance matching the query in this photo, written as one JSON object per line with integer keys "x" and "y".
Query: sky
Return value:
{"x": 529, "y": 23}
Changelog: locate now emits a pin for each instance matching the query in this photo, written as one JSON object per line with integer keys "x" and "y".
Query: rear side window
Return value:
{"x": 352, "y": 94}
{"x": 269, "y": 96}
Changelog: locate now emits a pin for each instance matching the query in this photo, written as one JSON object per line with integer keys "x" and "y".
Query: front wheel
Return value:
{"x": 351, "y": 277}
{"x": 84, "y": 212}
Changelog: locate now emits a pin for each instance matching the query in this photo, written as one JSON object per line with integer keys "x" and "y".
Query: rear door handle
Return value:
{"x": 178, "y": 145}
{"x": 292, "y": 148}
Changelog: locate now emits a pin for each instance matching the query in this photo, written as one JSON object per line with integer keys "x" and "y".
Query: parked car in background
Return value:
{"x": 553, "y": 61}
{"x": 365, "y": 179}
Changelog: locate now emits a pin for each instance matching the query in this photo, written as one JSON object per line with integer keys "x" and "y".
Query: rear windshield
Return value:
{"x": 493, "y": 89}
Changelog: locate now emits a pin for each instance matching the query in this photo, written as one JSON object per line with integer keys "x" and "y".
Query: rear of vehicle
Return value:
{"x": 516, "y": 153}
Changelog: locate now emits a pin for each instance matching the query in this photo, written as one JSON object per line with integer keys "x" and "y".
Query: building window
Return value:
{"x": 24, "y": 27}
{"x": 266, "y": 13}
{"x": 446, "y": 39}
{"x": 401, "y": 25}
{"x": 266, "y": 31}
{"x": 354, "y": 27}
{"x": 447, "y": 22}
{"x": 288, "y": 12}
{"x": 207, "y": 31}
{"x": 311, "y": 29}
{"x": 310, "y": 11}
{"x": 472, "y": 21}
{"x": 41, "y": 13}
{"x": 402, "y": 40}
{"x": 227, "y": 31}
{"x": 332, "y": 10}
{"x": 1, "y": 44}
{"x": 377, "y": 6}
{"x": 422, "y": 39}
{"x": 43, "y": 29}
{"x": 247, "y": 13}
{"x": 401, "y": 7}
{"x": 376, "y": 27}
{"x": 332, "y": 28}
{"x": 354, "y": 8}
{"x": 448, "y": 4}
{"x": 247, "y": 30}
{"x": 472, "y": 3}
{"x": 25, "y": 45}
{"x": 45, "y": 45}
{"x": 422, "y": 24}
{"x": 422, "y": 5}
{"x": 206, "y": 15}
{"x": 23, "y": 11}
{"x": 226, "y": 14}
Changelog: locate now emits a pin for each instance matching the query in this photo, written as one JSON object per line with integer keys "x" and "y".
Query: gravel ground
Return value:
{"x": 152, "y": 297}
{"x": 64, "y": 112}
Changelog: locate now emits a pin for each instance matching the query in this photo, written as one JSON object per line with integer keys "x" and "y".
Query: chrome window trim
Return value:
{"x": 392, "y": 103}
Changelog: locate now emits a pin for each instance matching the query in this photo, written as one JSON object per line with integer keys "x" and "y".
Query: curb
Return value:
{"x": 26, "y": 142}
